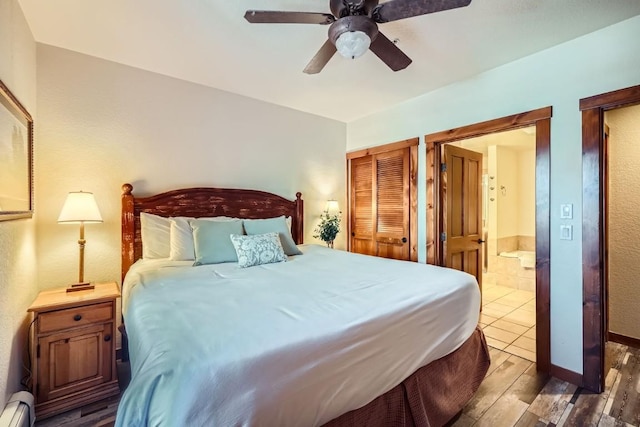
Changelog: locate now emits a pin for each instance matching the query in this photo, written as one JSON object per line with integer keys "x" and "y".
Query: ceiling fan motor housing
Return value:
{"x": 353, "y": 23}
{"x": 342, "y": 8}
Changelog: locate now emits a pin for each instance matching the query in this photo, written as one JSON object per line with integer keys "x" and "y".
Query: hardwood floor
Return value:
{"x": 512, "y": 395}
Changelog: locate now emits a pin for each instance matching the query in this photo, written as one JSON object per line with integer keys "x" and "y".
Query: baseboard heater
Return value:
{"x": 19, "y": 411}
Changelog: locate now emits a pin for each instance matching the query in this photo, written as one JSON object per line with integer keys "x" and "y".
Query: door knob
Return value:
{"x": 353, "y": 234}
{"x": 480, "y": 241}
{"x": 404, "y": 240}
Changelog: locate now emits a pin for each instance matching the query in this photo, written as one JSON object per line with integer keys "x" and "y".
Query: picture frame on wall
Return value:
{"x": 16, "y": 158}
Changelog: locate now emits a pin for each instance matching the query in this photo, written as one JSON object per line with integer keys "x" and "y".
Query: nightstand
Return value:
{"x": 73, "y": 347}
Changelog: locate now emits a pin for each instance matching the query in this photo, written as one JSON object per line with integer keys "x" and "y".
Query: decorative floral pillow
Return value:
{"x": 258, "y": 249}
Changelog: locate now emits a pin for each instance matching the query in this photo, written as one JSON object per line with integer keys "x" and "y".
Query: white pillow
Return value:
{"x": 182, "y": 247}
{"x": 155, "y": 235}
{"x": 258, "y": 249}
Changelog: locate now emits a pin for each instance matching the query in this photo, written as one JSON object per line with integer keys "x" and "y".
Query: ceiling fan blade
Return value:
{"x": 321, "y": 58}
{"x": 400, "y": 9}
{"x": 389, "y": 53}
{"x": 276, "y": 17}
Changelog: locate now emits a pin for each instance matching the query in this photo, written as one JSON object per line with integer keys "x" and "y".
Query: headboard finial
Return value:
{"x": 127, "y": 189}
{"x": 298, "y": 195}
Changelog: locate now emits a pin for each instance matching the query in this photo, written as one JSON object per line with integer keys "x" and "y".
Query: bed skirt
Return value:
{"x": 431, "y": 396}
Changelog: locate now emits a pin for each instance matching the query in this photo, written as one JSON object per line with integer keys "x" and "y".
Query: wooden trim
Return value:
{"x": 413, "y": 203}
{"x": 348, "y": 199}
{"x": 625, "y": 340}
{"x": 383, "y": 148}
{"x": 593, "y": 241}
{"x": 541, "y": 118}
{"x": 592, "y": 255}
{"x": 543, "y": 244}
{"x": 566, "y": 375}
{"x": 611, "y": 100}
{"x": 433, "y": 182}
{"x": 605, "y": 218}
{"x": 491, "y": 126}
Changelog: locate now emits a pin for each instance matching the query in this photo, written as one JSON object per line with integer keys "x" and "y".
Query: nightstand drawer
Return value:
{"x": 76, "y": 316}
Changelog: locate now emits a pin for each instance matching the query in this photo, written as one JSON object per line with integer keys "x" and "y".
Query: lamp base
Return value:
{"x": 80, "y": 287}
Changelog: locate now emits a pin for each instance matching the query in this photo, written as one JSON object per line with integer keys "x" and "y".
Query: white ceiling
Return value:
{"x": 209, "y": 42}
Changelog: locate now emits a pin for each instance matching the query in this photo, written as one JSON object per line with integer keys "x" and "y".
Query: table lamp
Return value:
{"x": 80, "y": 208}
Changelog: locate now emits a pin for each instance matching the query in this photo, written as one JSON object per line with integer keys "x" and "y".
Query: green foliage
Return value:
{"x": 328, "y": 228}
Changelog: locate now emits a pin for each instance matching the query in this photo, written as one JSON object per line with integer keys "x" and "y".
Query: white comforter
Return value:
{"x": 290, "y": 344}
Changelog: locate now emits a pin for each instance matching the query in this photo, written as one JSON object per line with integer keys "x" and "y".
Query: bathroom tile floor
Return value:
{"x": 508, "y": 320}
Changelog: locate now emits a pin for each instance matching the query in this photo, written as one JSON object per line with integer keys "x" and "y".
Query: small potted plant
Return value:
{"x": 328, "y": 228}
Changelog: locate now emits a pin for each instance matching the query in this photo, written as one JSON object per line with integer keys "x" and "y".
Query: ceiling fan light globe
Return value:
{"x": 353, "y": 44}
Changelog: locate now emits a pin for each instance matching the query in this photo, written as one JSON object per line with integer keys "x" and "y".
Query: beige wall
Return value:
{"x": 17, "y": 238}
{"x": 506, "y": 192}
{"x": 527, "y": 192}
{"x": 624, "y": 227}
{"x": 512, "y": 219}
{"x": 104, "y": 124}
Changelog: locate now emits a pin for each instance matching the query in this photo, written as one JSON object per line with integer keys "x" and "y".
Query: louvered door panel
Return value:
{"x": 392, "y": 204}
{"x": 361, "y": 209}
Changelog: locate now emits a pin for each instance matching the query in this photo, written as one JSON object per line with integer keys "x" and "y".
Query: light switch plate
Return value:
{"x": 566, "y": 211}
{"x": 566, "y": 232}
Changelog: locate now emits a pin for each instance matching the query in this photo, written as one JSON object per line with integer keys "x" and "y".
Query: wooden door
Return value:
{"x": 462, "y": 201}
{"x": 380, "y": 207}
{"x": 391, "y": 204}
{"x": 74, "y": 360}
{"x": 361, "y": 210}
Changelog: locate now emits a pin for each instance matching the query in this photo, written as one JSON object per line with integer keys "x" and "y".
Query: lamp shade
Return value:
{"x": 80, "y": 207}
{"x": 332, "y": 207}
{"x": 353, "y": 44}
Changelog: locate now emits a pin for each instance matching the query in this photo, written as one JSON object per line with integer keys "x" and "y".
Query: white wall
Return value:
{"x": 624, "y": 228}
{"x": 17, "y": 238}
{"x": 595, "y": 63}
{"x": 104, "y": 124}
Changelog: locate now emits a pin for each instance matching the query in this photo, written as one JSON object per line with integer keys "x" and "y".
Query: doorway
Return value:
{"x": 504, "y": 188}
{"x": 436, "y": 252}
{"x": 594, "y": 233}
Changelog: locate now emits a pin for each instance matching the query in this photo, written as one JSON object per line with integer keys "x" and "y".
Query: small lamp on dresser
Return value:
{"x": 79, "y": 208}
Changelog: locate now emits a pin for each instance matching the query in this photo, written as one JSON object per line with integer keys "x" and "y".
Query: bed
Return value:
{"x": 326, "y": 338}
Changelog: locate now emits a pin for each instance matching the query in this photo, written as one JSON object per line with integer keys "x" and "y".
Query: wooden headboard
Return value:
{"x": 202, "y": 202}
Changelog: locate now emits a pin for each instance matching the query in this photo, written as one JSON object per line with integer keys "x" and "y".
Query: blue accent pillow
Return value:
{"x": 258, "y": 249}
{"x": 273, "y": 225}
{"x": 212, "y": 243}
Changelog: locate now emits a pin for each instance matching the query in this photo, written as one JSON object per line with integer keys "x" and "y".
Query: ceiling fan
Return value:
{"x": 354, "y": 27}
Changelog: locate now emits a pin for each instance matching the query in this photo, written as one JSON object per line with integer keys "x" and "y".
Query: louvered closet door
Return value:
{"x": 361, "y": 209}
{"x": 391, "y": 205}
{"x": 380, "y": 199}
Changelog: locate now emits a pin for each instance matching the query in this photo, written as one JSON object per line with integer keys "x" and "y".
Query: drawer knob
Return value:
{"x": 77, "y": 317}
{"x": 107, "y": 338}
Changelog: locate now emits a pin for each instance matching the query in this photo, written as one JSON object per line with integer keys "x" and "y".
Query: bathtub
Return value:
{"x": 527, "y": 258}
